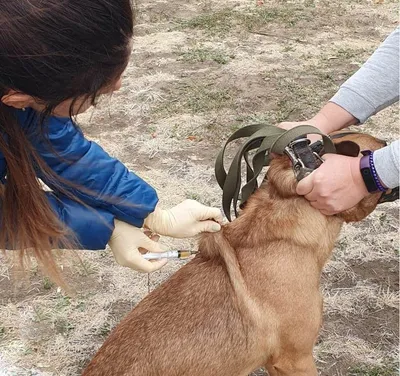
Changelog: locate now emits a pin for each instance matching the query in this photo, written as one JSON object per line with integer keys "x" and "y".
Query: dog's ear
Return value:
{"x": 348, "y": 148}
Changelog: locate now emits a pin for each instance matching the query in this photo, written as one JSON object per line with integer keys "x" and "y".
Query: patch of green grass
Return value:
{"x": 341, "y": 245}
{"x": 288, "y": 48}
{"x": 299, "y": 96}
{"x": 47, "y": 283}
{"x": 193, "y": 196}
{"x": 34, "y": 270}
{"x": 213, "y": 23}
{"x": 105, "y": 329}
{"x": 350, "y": 53}
{"x": 206, "y": 99}
{"x": 224, "y": 21}
{"x": 85, "y": 268}
{"x": 63, "y": 326}
{"x": 369, "y": 370}
{"x": 197, "y": 99}
{"x": 40, "y": 314}
{"x": 345, "y": 55}
{"x": 62, "y": 302}
{"x": 28, "y": 351}
{"x": 287, "y": 16}
{"x": 199, "y": 54}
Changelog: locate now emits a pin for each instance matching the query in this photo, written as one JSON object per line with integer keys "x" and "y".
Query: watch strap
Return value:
{"x": 368, "y": 173}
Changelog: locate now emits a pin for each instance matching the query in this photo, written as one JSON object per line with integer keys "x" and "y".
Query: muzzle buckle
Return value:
{"x": 299, "y": 168}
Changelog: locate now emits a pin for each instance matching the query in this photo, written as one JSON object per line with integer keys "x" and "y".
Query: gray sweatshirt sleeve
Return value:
{"x": 375, "y": 85}
{"x": 372, "y": 88}
{"x": 387, "y": 161}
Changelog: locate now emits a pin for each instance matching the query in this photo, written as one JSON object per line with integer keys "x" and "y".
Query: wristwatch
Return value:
{"x": 368, "y": 173}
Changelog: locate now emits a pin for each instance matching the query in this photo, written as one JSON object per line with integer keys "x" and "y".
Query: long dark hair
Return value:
{"x": 53, "y": 51}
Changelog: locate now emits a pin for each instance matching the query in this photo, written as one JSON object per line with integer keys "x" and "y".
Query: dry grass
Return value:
{"x": 200, "y": 70}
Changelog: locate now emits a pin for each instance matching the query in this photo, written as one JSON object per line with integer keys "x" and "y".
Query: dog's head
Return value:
{"x": 281, "y": 176}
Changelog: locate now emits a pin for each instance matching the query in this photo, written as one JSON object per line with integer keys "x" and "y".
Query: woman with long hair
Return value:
{"x": 56, "y": 58}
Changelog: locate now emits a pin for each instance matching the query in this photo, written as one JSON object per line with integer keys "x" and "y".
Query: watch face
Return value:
{"x": 366, "y": 172}
{"x": 366, "y": 152}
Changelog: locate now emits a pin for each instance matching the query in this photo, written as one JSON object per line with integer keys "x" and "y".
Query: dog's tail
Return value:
{"x": 217, "y": 246}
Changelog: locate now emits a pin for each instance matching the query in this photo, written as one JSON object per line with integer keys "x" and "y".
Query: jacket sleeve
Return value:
{"x": 92, "y": 228}
{"x": 112, "y": 187}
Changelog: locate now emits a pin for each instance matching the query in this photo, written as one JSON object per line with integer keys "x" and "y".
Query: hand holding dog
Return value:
{"x": 187, "y": 219}
{"x": 337, "y": 185}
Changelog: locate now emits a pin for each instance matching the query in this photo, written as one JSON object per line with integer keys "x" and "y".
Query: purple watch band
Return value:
{"x": 369, "y": 173}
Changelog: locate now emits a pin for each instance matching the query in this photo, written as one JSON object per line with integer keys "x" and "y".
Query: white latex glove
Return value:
{"x": 184, "y": 220}
{"x": 125, "y": 243}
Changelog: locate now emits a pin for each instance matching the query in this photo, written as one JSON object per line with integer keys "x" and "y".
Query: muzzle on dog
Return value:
{"x": 263, "y": 139}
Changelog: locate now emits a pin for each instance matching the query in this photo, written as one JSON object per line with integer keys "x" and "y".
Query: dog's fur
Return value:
{"x": 249, "y": 299}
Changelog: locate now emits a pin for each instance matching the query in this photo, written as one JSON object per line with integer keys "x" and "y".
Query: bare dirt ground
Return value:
{"x": 200, "y": 70}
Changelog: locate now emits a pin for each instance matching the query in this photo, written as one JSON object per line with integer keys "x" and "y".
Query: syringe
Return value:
{"x": 168, "y": 255}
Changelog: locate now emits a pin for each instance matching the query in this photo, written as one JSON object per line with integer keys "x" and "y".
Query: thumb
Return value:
{"x": 210, "y": 213}
{"x": 305, "y": 186}
{"x": 207, "y": 226}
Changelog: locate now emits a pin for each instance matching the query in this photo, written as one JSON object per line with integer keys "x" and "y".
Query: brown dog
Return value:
{"x": 249, "y": 299}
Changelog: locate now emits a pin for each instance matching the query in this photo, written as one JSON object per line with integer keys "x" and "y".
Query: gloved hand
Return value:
{"x": 184, "y": 220}
{"x": 125, "y": 243}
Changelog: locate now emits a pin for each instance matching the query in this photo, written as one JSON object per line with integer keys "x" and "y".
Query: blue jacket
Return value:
{"x": 86, "y": 164}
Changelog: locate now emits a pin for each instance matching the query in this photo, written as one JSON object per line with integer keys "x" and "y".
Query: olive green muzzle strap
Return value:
{"x": 264, "y": 139}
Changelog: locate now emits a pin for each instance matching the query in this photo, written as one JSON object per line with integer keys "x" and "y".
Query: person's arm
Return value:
{"x": 387, "y": 163}
{"x": 93, "y": 229}
{"x": 106, "y": 183}
{"x": 372, "y": 88}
